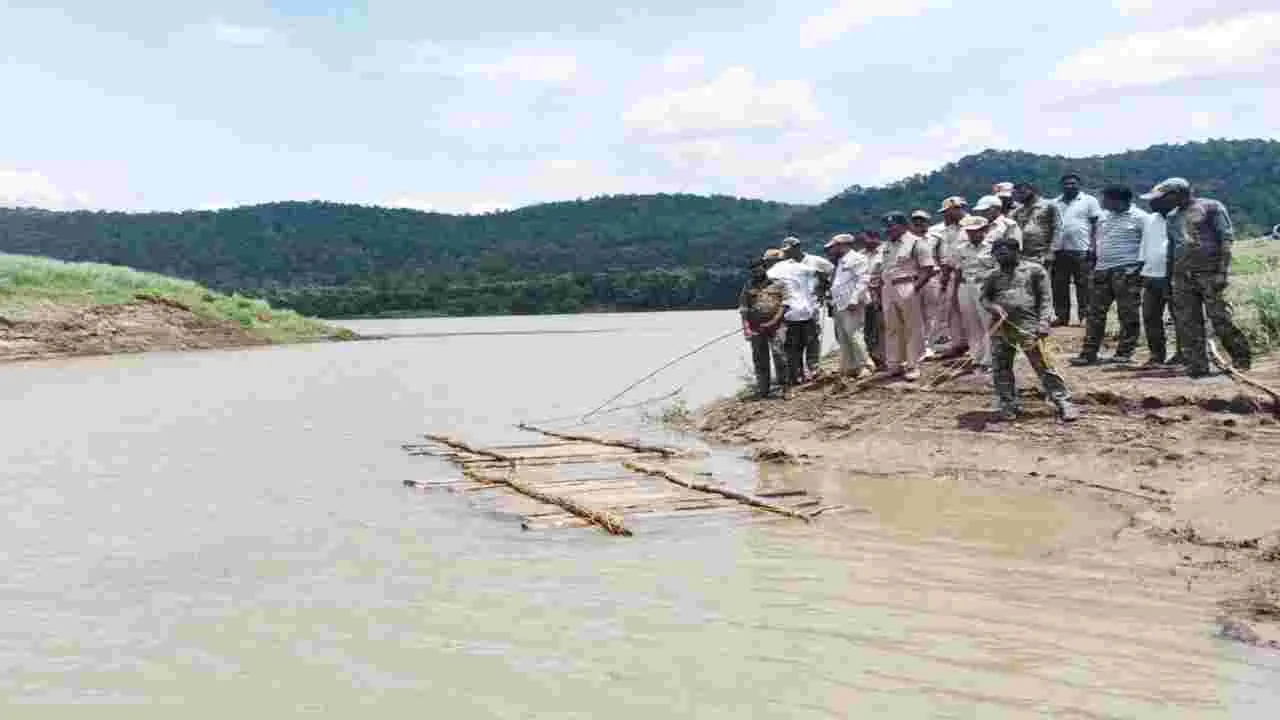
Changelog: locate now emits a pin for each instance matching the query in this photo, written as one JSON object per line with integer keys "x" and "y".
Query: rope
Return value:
{"x": 668, "y": 364}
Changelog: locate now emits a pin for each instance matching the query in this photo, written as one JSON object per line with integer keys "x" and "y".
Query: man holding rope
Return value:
{"x": 1017, "y": 295}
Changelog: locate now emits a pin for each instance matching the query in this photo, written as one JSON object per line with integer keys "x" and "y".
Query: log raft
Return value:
{"x": 700, "y": 486}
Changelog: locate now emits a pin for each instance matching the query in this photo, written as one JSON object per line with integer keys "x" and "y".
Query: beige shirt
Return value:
{"x": 906, "y": 258}
{"x": 1002, "y": 227}
{"x": 946, "y": 238}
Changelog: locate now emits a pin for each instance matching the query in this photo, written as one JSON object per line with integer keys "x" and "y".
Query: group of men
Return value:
{"x": 992, "y": 279}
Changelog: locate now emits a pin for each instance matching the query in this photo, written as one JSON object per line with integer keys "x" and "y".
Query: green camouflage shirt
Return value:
{"x": 1024, "y": 296}
{"x": 1041, "y": 224}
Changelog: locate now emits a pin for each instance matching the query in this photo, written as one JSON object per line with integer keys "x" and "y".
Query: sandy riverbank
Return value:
{"x": 50, "y": 308}
{"x": 1188, "y": 473}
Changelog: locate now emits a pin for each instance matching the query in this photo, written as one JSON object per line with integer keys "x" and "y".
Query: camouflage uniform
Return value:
{"x": 1200, "y": 238}
{"x": 759, "y": 303}
{"x": 1041, "y": 224}
{"x": 1023, "y": 294}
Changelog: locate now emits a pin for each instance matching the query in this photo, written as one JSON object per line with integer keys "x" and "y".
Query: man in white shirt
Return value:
{"x": 1074, "y": 249}
{"x": 824, "y": 269}
{"x": 1156, "y": 295}
{"x": 849, "y": 288}
{"x": 799, "y": 285}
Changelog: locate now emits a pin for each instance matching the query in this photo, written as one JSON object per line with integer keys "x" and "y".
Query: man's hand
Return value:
{"x": 747, "y": 332}
{"x": 1043, "y": 331}
{"x": 1218, "y": 281}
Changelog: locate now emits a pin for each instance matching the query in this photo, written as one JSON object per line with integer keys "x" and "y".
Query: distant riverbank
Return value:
{"x": 50, "y": 308}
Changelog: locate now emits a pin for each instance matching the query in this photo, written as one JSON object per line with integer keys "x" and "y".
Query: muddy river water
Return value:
{"x": 228, "y": 530}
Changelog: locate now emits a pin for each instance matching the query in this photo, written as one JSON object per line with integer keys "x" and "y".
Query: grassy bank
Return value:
{"x": 33, "y": 286}
{"x": 1255, "y": 291}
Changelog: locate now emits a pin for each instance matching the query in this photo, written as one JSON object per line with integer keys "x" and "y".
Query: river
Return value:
{"x": 228, "y": 530}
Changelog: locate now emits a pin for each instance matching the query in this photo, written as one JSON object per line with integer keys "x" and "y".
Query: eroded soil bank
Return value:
{"x": 143, "y": 325}
{"x": 1192, "y": 467}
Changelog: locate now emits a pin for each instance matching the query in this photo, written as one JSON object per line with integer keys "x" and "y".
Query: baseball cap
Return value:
{"x": 790, "y": 242}
{"x": 920, "y": 214}
{"x": 895, "y": 218}
{"x": 841, "y": 239}
{"x": 1173, "y": 184}
{"x": 974, "y": 222}
{"x": 1002, "y": 189}
{"x": 955, "y": 201}
{"x": 773, "y": 254}
{"x": 987, "y": 202}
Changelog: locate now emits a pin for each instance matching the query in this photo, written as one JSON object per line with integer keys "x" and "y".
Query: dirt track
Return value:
{"x": 1194, "y": 466}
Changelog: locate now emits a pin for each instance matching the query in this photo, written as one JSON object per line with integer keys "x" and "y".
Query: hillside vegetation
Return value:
{"x": 627, "y": 252}
{"x": 39, "y": 294}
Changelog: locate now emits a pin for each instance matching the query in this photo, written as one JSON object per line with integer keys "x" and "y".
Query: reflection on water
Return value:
{"x": 228, "y": 529}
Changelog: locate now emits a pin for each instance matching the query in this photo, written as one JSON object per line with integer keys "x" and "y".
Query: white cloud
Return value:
{"x": 1134, "y": 7}
{"x": 1242, "y": 43}
{"x": 533, "y": 68}
{"x": 967, "y": 132}
{"x": 897, "y": 167}
{"x": 733, "y": 101}
{"x": 31, "y": 188}
{"x": 678, "y": 64}
{"x": 1202, "y": 120}
{"x": 847, "y": 15}
{"x": 798, "y": 164}
{"x": 241, "y": 35}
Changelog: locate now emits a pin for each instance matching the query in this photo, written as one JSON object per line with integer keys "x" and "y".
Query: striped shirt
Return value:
{"x": 1120, "y": 238}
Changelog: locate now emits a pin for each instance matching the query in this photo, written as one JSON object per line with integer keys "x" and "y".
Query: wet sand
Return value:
{"x": 1168, "y": 475}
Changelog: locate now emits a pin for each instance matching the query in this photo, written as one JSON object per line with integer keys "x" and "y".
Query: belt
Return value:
{"x": 903, "y": 280}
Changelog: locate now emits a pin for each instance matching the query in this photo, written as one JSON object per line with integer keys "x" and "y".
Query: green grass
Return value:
{"x": 29, "y": 284}
{"x": 1255, "y": 291}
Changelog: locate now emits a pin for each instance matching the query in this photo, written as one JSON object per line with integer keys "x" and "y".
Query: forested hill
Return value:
{"x": 330, "y": 244}
{"x": 1245, "y": 174}
{"x": 625, "y": 252}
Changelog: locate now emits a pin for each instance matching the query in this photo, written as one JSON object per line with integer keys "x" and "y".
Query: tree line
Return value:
{"x": 625, "y": 252}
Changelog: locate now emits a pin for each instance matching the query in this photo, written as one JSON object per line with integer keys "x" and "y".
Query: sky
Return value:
{"x": 478, "y": 106}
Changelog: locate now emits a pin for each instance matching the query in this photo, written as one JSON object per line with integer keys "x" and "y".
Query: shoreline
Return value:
{"x": 145, "y": 324}
{"x": 1190, "y": 466}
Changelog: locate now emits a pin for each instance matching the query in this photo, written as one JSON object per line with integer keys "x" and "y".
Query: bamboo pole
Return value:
{"x": 714, "y": 489}
{"x": 610, "y": 522}
{"x": 1244, "y": 379}
{"x": 460, "y": 445}
{"x": 632, "y": 445}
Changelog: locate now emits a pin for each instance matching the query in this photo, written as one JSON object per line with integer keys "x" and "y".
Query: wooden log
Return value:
{"x": 1244, "y": 379}
{"x": 715, "y": 489}
{"x": 611, "y": 523}
{"x": 464, "y": 447}
{"x": 781, "y": 493}
{"x": 630, "y": 444}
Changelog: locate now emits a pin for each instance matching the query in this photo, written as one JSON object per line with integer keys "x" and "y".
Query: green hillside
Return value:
{"x": 626, "y": 252}
{"x": 1245, "y": 174}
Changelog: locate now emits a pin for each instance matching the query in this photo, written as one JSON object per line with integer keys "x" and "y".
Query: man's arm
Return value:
{"x": 1226, "y": 235}
{"x": 1043, "y": 301}
{"x": 1055, "y": 217}
{"x": 988, "y": 298}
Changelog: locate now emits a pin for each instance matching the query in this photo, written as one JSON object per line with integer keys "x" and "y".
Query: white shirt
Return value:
{"x": 799, "y": 287}
{"x": 853, "y": 275}
{"x": 1155, "y": 247}
{"x": 819, "y": 263}
{"x": 1078, "y": 218}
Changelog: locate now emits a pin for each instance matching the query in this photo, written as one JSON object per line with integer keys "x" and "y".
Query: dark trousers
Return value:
{"x": 873, "y": 331}
{"x": 796, "y": 341}
{"x": 1070, "y": 267}
{"x": 1196, "y": 295}
{"x": 1123, "y": 287}
{"x": 813, "y": 349}
{"x": 1005, "y": 347}
{"x": 1156, "y": 296}
{"x": 768, "y": 360}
